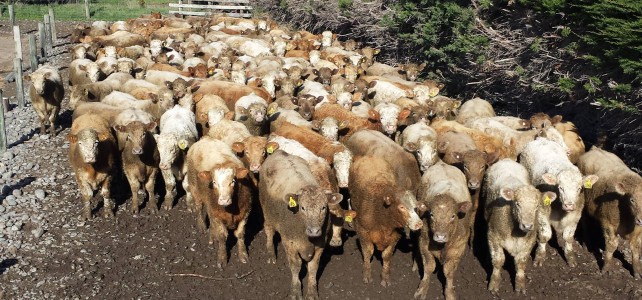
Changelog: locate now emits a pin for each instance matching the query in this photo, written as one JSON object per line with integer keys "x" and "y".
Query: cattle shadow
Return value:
{"x": 20, "y": 184}
{"x": 590, "y": 234}
{"x": 6, "y": 264}
{"x": 25, "y": 137}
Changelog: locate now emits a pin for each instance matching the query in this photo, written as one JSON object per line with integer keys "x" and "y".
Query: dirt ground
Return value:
{"x": 141, "y": 257}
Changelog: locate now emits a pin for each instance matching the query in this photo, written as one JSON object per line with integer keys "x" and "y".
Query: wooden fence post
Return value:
{"x": 3, "y": 131}
{"x": 42, "y": 36}
{"x": 52, "y": 18}
{"x": 33, "y": 52}
{"x": 87, "y": 15}
{"x": 20, "y": 92}
{"x": 48, "y": 44}
{"x": 18, "y": 41}
{"x": 12, "y": 15}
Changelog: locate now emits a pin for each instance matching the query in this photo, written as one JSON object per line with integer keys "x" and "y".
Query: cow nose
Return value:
{"x": 164, "y": 166}
{"x": 224, "y": 201}
{"x": 417, "y": 226}
{"x": 568, "y": 206}
{"x": 90, "y": 160}
{"x": 313, "y": 231}
{"x": 440, "y": 237}
{"x": 473, "y": 185}
{"x": 137, "y": 151}
{"x": 638, "y": 221}
{"x": 259, "y": 118}
{"x": 526, "y": 227}
{"x": 255, "y": 168}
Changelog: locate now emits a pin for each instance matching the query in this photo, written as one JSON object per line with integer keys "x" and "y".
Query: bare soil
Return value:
{"x": 141, "y": 257}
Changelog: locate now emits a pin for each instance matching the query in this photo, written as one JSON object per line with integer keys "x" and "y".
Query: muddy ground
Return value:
{"x": 48, "y": 253}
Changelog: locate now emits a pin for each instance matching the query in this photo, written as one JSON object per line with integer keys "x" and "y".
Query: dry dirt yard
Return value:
{"x": 47, "y": 252}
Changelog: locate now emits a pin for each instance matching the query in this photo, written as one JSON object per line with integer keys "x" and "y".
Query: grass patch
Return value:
{"x": 108, "y": 10}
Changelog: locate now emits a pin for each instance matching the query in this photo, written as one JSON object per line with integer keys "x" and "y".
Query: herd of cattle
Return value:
{"x": 240, "y": 110}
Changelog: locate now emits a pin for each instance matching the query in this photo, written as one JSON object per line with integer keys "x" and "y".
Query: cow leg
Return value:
{"x": 313, "y": 266}
{"x": 294, "y": 263}
{"x": 544, "y": 234}
{"x": 87, "y": 193}
{"x": 134, "y": 184}
{"x": 199, "y": 211}
{"x": 52, "y": 120}
{"x": 386, "y": 256}
{"x": 149, "y": 187}
{"x": 218, "y": 233}
{"x": 336, "y": 240}
{"x": 498, "y": 259}
{"x": 450, "y": 266}
{"x": 42, "y": 118}
{"x": 611, "y": 241}
{"x": 269, "y": 243}
{"x": 634, "y": 244}
{"x": 189, "y": 199}
{"x": 108, "y": 204}
{"x": 367, "y": 249}
{"x": 568, "y": 234}
{"x": 239, "y": 233}
{"x": 170, "y": 188}
{"x": 520, "y": 277}
{"x": 429, "y": 264}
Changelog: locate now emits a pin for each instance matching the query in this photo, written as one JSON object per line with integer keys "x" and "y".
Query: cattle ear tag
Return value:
{"x": 292, "y": 203}
{"x": 270, "y": 150}
{"x": 433, "y": 93}
{"x": 271, "y": 111}
{"x": 547, "y": 200}
{"x": 588, "y": 184}
{"x": 350, "y": 216}
{"x": 182, "y": 145}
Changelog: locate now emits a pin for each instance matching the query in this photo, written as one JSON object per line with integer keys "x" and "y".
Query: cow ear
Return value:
{"x": 464, "y": 207}
{"x": 556, "y": 119}
{"x": 410, "y": 146}
{"x": 491, "y": 157}
{"x": 441, "y": 146}
{"x": 316, "y": 125}
{"x": 548, "y": 197}
{"x": 372, "y": 84}
{"x": 72, "y": 138}
{"x": 421, "y": 67}
{"x": 335, "y": 71}
{"x": 26, "y": 78}
{"x": 507, "y": 193}
{"x": 403, "y": 114}
{"x": 241, "y": 172}
{"x": 103, "y": 136}
{"x": 589, "y": 180}
{"x": 182, "y": 144}
{"x": 319, "y": 99}
{"x": 456, "y": 104}
{"x": 333, "y": 198}
{"x": 151, "y": 126}
{"x": 357, "y": 96}
{"x": 229, "y": 115}
{"x": 343, "y": 124}
{"x": 238, "y": 147}
{"x": 422, "y": 208}
{"x": 120, "y": 128}
{"x": 205, "y": 176}
{"x": 458, "y": 156}
{"x": 549, "y": 179}
{"x": 373, "y": 115}
{"x": 270, "y": 147}
{"x": 620, "y": 188}
{"x": 292, "y": 200}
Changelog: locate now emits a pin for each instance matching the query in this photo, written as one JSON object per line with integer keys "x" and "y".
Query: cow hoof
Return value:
{"x": 385, "y": 283}
{"x": 271, "y": 261}
{"x": 336, "y": 242}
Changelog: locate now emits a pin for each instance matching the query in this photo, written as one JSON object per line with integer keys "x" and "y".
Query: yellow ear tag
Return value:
{"x": 292, "y": 203}
{"x": 348, "y": 218}
{"x": 547, "y": 200}
{"x": 182, "y": 145}
{"x": 433, "y": 93}
{"x": 270, "y": 150}
{"x": 588, "y": 184}
{"x": 271, "y": 111}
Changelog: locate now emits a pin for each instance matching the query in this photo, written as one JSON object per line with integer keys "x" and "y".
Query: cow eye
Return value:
{"x": 233, "y": 182}
{"x": 302, "y": 208}
{"x": 453, "y": 217}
